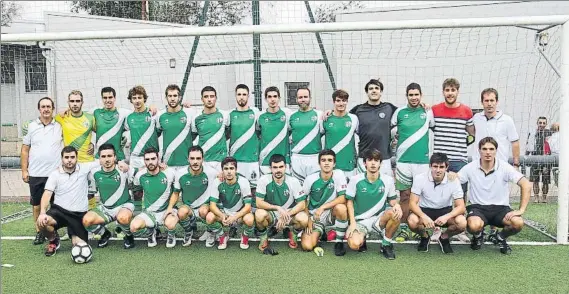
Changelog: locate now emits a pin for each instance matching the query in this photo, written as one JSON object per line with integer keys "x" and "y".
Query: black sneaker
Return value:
{"x": 128, "y": 241}
{"x": 272, "y": 231}
{"x": 493, "y": 237}
{"x": 104, "y": 241}
{"x": 159, "y": 235}
{"x": 424, "y": 244}
{"x": 476, "y": 242}
{"x": 52, "y": 247}
{"x": 388, "y": 252}
{"x": 445, "y": 245}
{"x": 286, "y": 231}
{"x": 39, "y": 239}
{"x": 363, "y": 248}
{"x": 340, "y": 249}
{"x": 505, "y": 248}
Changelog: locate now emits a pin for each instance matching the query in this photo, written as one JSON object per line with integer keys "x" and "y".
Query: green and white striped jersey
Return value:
{"x": 413, "y": 128}
{"x": 273, "y": 132}
{"x": 157, "y": 188}
{"x": 175, "y": 131}
{"x": 284, "y": 195}
{"x": 244, "y": 142}
{"x": 370, "y": 199}
{"x": 196, "y": 190}
{"x": 340, "y": 137}
{"x": 110, "y": 128}
{"x": 112, "y": 186}
{"x": 143, "y": 135}
{"x": 305, "y": 132}
{"x": 232, "y": 198}
{"x": 320, "y": 192}
{"x": 211, "y": 131}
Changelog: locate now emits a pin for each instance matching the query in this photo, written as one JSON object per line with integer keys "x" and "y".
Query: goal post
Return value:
{"x": 355, "y": 66}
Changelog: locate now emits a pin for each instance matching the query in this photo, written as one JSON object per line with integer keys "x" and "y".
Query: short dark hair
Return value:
{"x": 542, "y": 117}
{"x": 488, "y": 91}
{"x": 137, "y": 90}
{"x": 414, "y": 86}
{"x": 372, "y": 154}
{"x": 272, "y": 89}
{"x": 242, "y": 86}
{"x": 208, "y": 89}
{"x": 107, "y": 90}
{"x": 107, "y": 146}
{"x": 451, "y": 82}
{"x": 342, "y": 94}
{"x": 276, "y": 158}
{"x": 46, "y": 98}
{"x": 374, "y": 82}
{"x": 228, "y": 160}
{"x": 327, "y": 152}
{"x": 304, "y": 88}
{"x": 172, "y": 87}
{"x": 151, "y": 150}
{"x": 68, "y": 149}
{"x": 438, "y": 157}
{"x": 487, "y": 140}
{"x": 195, "y": 148}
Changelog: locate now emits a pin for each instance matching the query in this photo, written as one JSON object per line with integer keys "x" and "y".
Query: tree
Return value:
{"x": 10, "y": 10}
{"x": 183, "y": 12}
{"x": 327, "y": 12}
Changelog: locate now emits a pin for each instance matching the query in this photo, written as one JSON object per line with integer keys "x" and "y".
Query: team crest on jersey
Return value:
{"x": 314, "y": 118}
{"x": 164, "y": 181}
{"x": 330, "y": 186}
{"x": 183, "y": 119}
{"x": 116, "y": 116}
{"x": 166, "y": 121}
{"x": 381, "y": 115}
{"x": 147, "y": 182}
{"x": 117, "y": 178}
{"x": 423, "y": 115}
{"x": 204, "y": 181}
{"x": 348, "y": 124}
{"x": 287, "y": 193}
{"x": 187, "y": 183}
{"x": 364, "y": 189}
{"x": 219, "y": 120}
{"x": 331, "y": 124}
{"x": 406, "y": 116}
{"x": 238, "y": 192}
{"x": 283, "y": 118}
{"x": 253, "y": 175}
{"x": 86, "y": 124}
{"x": 381, "y": 189}
{"x": 148, "y": 118}
{"x": 252, "y": 116}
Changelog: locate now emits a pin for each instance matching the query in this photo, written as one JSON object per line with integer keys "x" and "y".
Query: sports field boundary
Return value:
{"x": 517, "y": 243}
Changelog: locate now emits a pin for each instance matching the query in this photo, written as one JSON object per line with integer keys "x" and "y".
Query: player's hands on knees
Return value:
{"x": 308, "y": 229}
{"x": 280, "y": 224}
{"x": 397, "y": 212}
{"x": 427, "y": 222}
{"x": 442, "y": 220}
{"x": 513, "y": 214}
{"x": 228, "y": 220}
{"x": 25, "y": 176}
{"x": 42, "y": 220}
{"x": 318, "y": 213}
{"x": 284, "y": 214}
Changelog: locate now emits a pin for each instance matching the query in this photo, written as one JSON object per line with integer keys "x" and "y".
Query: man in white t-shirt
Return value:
{"x": 489, "y": 180}
{"x": 433, "y": 196}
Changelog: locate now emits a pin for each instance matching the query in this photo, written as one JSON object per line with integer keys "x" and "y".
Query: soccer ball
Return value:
{"x": 81, "y": 253}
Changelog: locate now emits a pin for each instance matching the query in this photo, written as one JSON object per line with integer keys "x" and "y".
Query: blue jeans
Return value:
{"x": 455, "y": 166}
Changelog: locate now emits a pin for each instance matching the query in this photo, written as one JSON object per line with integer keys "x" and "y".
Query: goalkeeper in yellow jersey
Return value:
{"x": 78, "y": 127}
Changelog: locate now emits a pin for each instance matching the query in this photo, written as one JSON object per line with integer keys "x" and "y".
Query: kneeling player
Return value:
{"x": 367, "y": 197}
{"x": 115, "y": 200}
{"x": 231, "y": 205}
{"x": 157, "y": 190}
{"x": 432, "y": 197}
{"x": 326, "y": 192}
{"x": 276, "y": 193}
{"x": 197, "y": 183}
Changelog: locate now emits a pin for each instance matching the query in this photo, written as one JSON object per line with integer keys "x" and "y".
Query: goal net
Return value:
{"x": 521, "y": 62}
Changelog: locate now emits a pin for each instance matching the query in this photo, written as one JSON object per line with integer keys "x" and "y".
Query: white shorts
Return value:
{"x": 195, "y": 212}
{"x": 405, "y": 172}
{"x": 325, "y": 218}
{"x": 303, "y": 165}
{"x": 265, "y": 170}
{"x": 110, "y": 215}
{"x": 350, "y": 174}
{"x": 368, "y": 225}
{"x": 216, "y": 165}
{"x": 384, "y": 169}
{"x": 136, "y": 162}
{"x": 154, "y": 219}
{"x": 250, "y": 170}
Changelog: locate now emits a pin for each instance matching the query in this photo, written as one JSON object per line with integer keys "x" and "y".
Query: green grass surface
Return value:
{"x": 197, "y": 269}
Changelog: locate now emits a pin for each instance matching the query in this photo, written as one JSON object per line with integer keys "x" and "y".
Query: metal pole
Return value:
{"x": 194, "y": 50}
{"x": 257, "y": 57}
{"x": 322, "y": 50}
{"x": 563, "y": 198}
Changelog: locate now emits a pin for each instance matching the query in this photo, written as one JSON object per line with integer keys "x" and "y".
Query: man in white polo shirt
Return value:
{"x": 431, "y": 204}
{"x": 490, "y": 196}
{"x": 70, "y": 185}
{"x": 494, "y": 123}
{"x": 43, "y": 140}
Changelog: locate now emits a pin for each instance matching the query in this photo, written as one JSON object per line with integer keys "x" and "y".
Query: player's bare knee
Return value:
{"x": 307, "y": 244}
{"x": 171, "y": 222}
{"x": 517, "y": 223}
{"x": 355, "y": 242}
{"x": 460, "y": 223}
{"x": 124, "y": 218}
{"x": 413, "y": 221}
{"x": 340, "y": 211}
{"x": 261, "y": 215}
{"x": 301, "y": 219}
{"x": 475, "y": 224}
{"x": 210, "y": 218}
{"x": 203, "y": 211}
{"x": 249, "y": 220}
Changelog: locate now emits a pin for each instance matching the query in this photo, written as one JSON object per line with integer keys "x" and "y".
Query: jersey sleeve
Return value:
{"x": 296, "y": 190}
{"x": 126, "y": 127}
{"x": 511, "y": 174}
{"x": 261, "y": 188}
{"x": 158, "y": 125}
{"x": 214, "y": 194}
{"x": 469, "y": 116}
{"x": 512, "y": 132}
{"x": 194, "y": 127}
{"x": 390, "y": 190}
{"x": 351, "y": 189}
{"x": 246, "y": 191}
{"x": 431, "y": 118}
{"x": 27, "y": 140}
{"x": 340, "y": 183}
{"x": 416, "y": 187}
{"x": 463, "y": 174}
{"x": 177, "y": 186}
{"x": 394, "y": 118}
{"x": 51, "y": 182}
{"x": 356, "y": 121}
{"x": 457, "y": 192}
{"x": 59, "y": 119}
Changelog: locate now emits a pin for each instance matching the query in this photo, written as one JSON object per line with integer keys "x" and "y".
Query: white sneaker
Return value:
{"x": 223, "y": 242}
{"x": 436, "y": 234}
{"x": 205, "y": 236}
{"x": 210, "y": 241}
{"x": 463, "y": 238}
{"x": 171, "y": 241}
{"x": 188, "y": 239}
{"x": 152, "y": 240}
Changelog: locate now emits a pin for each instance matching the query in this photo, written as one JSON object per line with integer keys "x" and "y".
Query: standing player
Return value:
{"x": 413, "y": 123}
{"x": 110, "y": 122}
{"x": 276, "y": 194}
{"x": 489, "y": 180}
{"x": 367, "y": 197}
{"x": 432, "y": 199}
{"x": 157, "y": 189}
{"x": 374, "y": 128}
{"x": 142, "y": 127}
{"x": 174, "y": 126}
{"x": 230, "y": 205}
{"x": 116, "y": 204}
{"x": 196, "y": 184}
{"x": 273, "y": 130}
{"x": 306, "y": 139}
{"x": 536, "y": 145}
{"x": 244, "y": 142}
{"x": 211, "y": 126}
{"x": 78, "y": 127}
{"x": 339, "y": 130}
{"x": 43, "y": 140}
{"x": 325, "y": 193}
